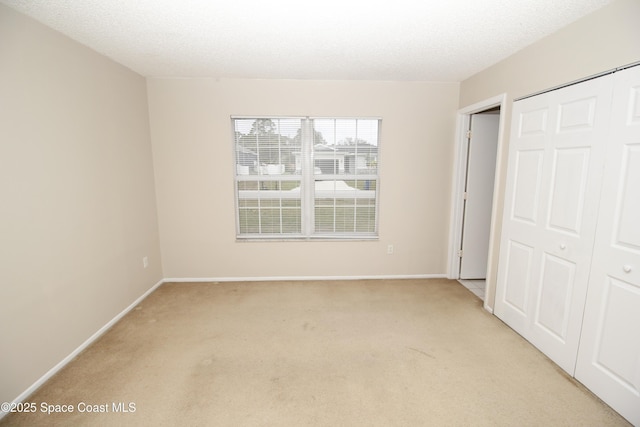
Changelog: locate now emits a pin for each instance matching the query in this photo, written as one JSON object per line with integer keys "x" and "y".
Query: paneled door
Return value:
{"x": 609, "y": 355}
{"x": 556, "y": 156}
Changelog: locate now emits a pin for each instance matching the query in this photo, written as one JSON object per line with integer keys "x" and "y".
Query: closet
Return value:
{"x": 569, "y": 269}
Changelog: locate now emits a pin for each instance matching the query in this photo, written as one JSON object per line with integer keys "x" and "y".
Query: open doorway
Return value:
{"x": 474, "y": 203}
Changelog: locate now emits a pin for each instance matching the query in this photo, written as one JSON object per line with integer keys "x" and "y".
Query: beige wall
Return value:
{"x": 77, "y": 202}
{"x": 603, "y": 40}
{"x": 193, "y": 158}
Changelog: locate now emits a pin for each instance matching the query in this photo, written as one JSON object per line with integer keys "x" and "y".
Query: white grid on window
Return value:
{"x": 303, "y": 177}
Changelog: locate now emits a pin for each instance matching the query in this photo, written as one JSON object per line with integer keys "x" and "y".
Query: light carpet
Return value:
{"x": 317, "y": 353}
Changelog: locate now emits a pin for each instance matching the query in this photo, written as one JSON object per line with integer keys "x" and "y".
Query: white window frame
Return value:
{"x": 307, "y": 178}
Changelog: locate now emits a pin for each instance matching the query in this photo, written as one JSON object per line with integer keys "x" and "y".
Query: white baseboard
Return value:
{"x": 300, "y": 278}
{"x": 82, "y": 346}
{"x": 487, "y": 307}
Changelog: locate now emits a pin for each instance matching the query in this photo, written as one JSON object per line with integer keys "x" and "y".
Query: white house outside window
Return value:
{"x": 300, "y": 177}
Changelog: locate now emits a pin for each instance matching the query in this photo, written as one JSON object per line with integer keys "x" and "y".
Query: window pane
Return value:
{"x": 269, "y": 207}
{"x": 270, "y": 216}
{"x": 267, "y": 146}
{"x": 345, "y": 206}
{"x": 248, "y": 185}
{"x": 345, "y": 146}
{"x": 249, "y": 221}
{"x": 366, "y": 216}
{"x": 291, "y": 220}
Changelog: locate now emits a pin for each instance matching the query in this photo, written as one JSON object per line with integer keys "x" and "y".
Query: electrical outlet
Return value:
{"x": 390, "y": 249}
{"x": 145, "y": 262}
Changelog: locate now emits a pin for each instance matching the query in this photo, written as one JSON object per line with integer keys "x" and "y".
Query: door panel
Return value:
{"x": 551, "y": 207}
{"x": 533, "y": 122}
{"x": 519, "y": 260}
{"x": 615, "y": 354}
{"x": 570, "y": 173}
{"x": 527, "y": 176}
{"x": 627, "y": 230}
{"x": 553, "y": 299}
{"x": 609, "y": 356}
{"x": 577, "y": 115}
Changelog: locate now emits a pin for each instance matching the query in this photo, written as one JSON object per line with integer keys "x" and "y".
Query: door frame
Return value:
{"x": 463, "y": 121}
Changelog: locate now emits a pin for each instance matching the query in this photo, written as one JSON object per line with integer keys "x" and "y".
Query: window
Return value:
{"x": 303, "y": 177}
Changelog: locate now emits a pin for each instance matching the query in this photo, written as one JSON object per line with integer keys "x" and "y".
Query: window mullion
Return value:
{"x": 259, "y": 212}
{"x": 308, "y": 184}
{"x": 335, "y": 200}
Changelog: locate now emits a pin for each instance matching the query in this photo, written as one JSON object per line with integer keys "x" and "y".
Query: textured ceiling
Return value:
{"x": 432, "y": 40}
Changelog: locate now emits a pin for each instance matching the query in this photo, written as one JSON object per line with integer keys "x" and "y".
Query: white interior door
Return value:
{"x": 609, "y": 356}
{"x": 481, "y": 170}
{"x": 556, "y": 156}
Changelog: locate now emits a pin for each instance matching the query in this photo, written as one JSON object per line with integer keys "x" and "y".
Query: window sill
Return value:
{"x": 307, "y": 239}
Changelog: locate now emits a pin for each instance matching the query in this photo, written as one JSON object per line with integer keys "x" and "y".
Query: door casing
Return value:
{"x": 457, "y": 200}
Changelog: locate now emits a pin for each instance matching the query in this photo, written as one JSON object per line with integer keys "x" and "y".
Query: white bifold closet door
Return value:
{"x": 569, "y": 269}
{"x": 609, "y": 355}
{"x": 554, "y": 176}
